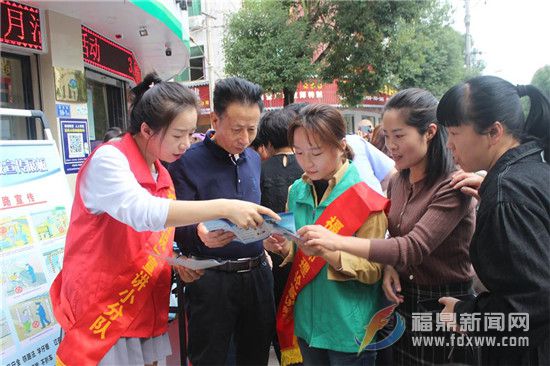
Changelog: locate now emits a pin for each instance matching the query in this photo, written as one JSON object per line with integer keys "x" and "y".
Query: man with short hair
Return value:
{"x": 235, "y": 299}
{"x": 365, "y": 128}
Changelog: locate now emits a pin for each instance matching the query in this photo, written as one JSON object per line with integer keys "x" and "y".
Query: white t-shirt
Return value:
{"x": 108, "y": 185}
{"x": 373, "y": 164}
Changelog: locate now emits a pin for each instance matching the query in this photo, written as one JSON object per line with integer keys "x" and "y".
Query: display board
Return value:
{"x": 34, "y": 217}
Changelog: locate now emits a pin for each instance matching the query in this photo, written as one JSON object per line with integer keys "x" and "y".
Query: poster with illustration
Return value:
{"x": 14, "y": 233}
{"x": 54, "y": 260}
{"x": 33, "y": 316}
{"x": 50, "y": 224}
{"x": 6, "y": 339}
{"x": 34, "y": 211}
{"x": 21, "y": 274}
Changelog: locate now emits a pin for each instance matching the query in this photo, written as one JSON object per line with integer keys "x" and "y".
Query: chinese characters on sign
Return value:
{"x": 423, "y": 322}
{"x": 311, "y": 91}
{"x": 107, "y": 55}
{"x": 20, "y": 25}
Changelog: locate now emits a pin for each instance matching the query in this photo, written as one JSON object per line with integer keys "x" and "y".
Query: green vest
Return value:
{"x": 330, "y": 314}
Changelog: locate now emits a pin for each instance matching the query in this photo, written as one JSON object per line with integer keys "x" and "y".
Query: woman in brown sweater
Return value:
{"x": 430, "y": 226}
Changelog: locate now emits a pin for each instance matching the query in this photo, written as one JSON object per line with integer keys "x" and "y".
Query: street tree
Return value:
{"x": 267, "y": 46}
{"x": 428, "y": 53}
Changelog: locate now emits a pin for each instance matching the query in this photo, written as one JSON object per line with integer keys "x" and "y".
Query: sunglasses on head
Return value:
{"x": 365, "y": 129}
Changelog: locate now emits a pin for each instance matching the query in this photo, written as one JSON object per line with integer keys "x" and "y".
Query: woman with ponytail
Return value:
{"x": 112, "y": 296}
{"x": 510, "y": 249}
{"x": 430, "y": 226}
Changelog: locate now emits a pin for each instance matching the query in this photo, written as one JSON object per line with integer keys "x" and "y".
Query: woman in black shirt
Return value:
{"x": 510, "y": 250}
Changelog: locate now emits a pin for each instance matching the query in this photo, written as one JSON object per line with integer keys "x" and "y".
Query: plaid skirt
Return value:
{"x": 408, "y": 351}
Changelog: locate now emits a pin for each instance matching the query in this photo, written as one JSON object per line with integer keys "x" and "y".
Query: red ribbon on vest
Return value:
{"x": 345, "y": 215}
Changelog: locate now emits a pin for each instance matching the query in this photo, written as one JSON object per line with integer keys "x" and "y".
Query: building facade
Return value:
{"x": 76, "y": 61}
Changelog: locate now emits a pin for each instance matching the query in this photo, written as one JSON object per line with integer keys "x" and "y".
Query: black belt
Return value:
{"x": 241, "y": 265}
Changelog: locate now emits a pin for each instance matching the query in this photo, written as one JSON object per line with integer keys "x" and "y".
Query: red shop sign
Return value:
{"x": 20, "y": 25}
{"x": 107, "y": 55}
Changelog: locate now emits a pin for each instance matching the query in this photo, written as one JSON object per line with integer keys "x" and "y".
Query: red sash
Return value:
{"x": 345, "y": 215}
{"x": 91, "y": 337}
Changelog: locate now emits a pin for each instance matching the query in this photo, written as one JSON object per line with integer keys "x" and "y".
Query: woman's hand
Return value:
{"x": 313, "y": 249}
{"x": 449, "y": 303}
{"x": 247, "y": 214}
{"x": 317, "y": 237}
{"x": 215, "y": 238}
{"x": 392, "y": 285}
{"x": 277, "y": 243}
{"x": 468, "y": 183}
{"x": 188, "y": 275}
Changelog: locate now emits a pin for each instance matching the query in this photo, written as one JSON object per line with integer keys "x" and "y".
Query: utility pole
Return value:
{"x": 468, "y": 43}
{"x": 209, "y": 55}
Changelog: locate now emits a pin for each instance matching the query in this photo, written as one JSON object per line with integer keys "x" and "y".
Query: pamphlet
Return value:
{"x": 285, "y": 227}
{"x": 191, "y": 263}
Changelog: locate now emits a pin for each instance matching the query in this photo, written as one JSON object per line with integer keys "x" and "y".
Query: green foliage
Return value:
{"x": 359, "y": 40}
{"x": 367, "y": 45}
{"x": 429, "y": 54}
{"x": 264, "y": 46}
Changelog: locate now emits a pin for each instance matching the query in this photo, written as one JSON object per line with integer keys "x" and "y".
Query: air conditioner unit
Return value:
{"x": 195, "y": 22}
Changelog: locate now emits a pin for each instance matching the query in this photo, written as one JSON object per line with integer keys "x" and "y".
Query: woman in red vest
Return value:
{"x": 112, "y": 296}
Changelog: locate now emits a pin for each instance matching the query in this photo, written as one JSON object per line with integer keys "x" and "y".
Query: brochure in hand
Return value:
{"x": 285, "y": 227}
{"x": 191, "y": 263}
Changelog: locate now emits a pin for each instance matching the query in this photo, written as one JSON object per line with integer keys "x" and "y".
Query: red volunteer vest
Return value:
{"x": 108, "y": 274}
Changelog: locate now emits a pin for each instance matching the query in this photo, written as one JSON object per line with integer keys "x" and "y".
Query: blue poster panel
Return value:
{"x": 34, "y": 216}
{"x": 75, "y": 141}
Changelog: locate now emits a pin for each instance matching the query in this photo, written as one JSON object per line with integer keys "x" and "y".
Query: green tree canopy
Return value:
{"x": 358, "y": 35}
{"x": 366, "y": 45}
{"x": 264, "y": 46}
{"x": 428, "y": 53}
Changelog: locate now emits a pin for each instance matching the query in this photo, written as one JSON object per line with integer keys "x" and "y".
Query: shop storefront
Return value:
{"x": 21, "y": 41}
{"x": 77, "y": 61}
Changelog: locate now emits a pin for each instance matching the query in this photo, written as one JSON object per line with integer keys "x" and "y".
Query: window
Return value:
{"x": 106, "y": 105}
{"x": 194, "y": 8}
{"x": 16, "y": 92}
{"x": 195, "y": 71}
{"x": 350, "y": 123}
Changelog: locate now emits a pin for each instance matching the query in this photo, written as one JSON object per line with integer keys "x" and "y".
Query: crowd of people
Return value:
{"x": 395, "y": 216}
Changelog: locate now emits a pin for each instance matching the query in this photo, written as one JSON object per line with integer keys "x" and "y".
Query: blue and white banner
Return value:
{"x": 34, "y": 217}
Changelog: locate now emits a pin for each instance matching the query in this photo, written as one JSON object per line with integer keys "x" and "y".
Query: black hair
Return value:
{"x": 296, "y": 107}
{"x": 418, "y": 106}
{"x": 483, "y": 100}
{"x": 158, "y": 102}
{"x": 326, "y": 122}
{"x": 112, "y": 133}
{"x": 273, "y": 128}
{"x": 236, "y": 90}
{"x": 256, "y": 143}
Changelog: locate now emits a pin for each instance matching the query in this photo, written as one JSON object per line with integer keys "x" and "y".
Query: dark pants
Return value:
{"x": 318, "y": 356}
{"x": 222, "y": 304}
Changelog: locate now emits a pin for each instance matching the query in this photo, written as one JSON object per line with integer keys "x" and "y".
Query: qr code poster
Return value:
{"x": 76, "y": 144}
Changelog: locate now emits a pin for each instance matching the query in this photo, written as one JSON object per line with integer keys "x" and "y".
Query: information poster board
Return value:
{"x": 34, "y": 217}
{"x": 76, "y": 145}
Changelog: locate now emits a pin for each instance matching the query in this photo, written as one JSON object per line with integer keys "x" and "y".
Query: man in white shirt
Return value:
{"x": 374, "y": 166}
